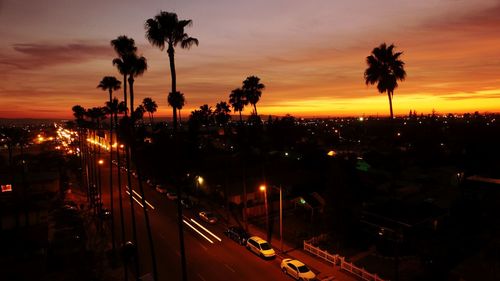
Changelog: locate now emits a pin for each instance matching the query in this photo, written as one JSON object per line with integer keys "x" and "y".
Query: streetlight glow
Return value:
{"x": 262, "y": 187}
{"x": 101, "y": 162}
{"x": 200, "y": 180}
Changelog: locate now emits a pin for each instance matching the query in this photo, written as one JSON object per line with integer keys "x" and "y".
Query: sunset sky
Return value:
{"x": 309, "y": 54}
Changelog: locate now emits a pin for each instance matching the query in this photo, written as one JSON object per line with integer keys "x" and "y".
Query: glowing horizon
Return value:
{"x": 310, "y": 56}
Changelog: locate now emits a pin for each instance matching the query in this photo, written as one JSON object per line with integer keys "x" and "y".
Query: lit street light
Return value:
{"x": 263, "y": 188}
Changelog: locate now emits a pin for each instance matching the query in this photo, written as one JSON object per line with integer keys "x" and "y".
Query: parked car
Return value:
{"x": 161, "y": 189}
{"x": 186, "y": 203}
{"x": 238, "y": 234}
{"x": 208, "y": 217}
{"x": 260, "y": 247}
{"x": 171, "y": 195}
{"x": 297, "y": 270}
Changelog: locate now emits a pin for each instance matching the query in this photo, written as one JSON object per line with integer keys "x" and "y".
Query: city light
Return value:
{"x": 262, "y": 188}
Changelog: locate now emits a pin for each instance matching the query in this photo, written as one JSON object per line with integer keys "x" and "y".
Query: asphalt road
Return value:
{"x": 216, "y": 260}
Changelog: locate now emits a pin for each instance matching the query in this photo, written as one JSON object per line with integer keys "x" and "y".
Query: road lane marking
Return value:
{"x": 208, "y": 231}
{"x": 230, "y": 268}
{"x": 201, "y": 277}
{"x": 203, "y": 235}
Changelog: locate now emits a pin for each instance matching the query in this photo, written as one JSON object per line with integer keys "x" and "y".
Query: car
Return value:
{"x": 208, "y": 217}
{"x": 186, "y": 203}
{"x": 171, "y": 195}
{"x": 297, "y": 270}
{"x": 161, "y": 189}
{"x": 260, "y": 247}
{"x": 238, "y": 234}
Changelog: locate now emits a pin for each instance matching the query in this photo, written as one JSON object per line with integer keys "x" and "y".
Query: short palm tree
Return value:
{"x": 238, "y": 101}
{"x": 221, "y": 113}
{"x": 165, "y": 29}
{"x": 253, "y": 91}
{"x": 176, "y": 101}
{"x": 386, "y": 69}
{"x": 150, "y": 106}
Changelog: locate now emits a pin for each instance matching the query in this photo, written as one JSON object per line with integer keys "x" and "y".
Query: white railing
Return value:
{"x": 335, "y": 259}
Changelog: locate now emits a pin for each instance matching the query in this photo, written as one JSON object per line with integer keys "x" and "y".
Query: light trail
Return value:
{"x": 208, "y": 231}
{"x": 203, "y": 235}
{"x": 137, "y": 194}
{"x": 135, "y": 199}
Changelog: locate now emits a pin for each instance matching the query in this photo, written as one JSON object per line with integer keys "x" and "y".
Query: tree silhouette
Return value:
{"x": 165, "y": 29}
{"x": 385, "y": 68}
{"x": 150, "y": 106}
{"x": 253, "y": 91}
{"x": 125, "y": 48}
{"x": 110, "y": 83}
{"x": 176, "y": 101}
{"x": 221, "y": 113}
{"x": 138, "y": 65}
{"x": 238, "y": 101}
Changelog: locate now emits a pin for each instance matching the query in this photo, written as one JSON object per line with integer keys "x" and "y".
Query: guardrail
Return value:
{"x": 335, "y": 259}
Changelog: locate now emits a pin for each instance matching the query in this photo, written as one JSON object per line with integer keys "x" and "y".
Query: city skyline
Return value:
{"x": 310, "y": 56}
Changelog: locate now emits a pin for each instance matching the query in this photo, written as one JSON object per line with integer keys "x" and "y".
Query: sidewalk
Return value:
{"x": 324, "y": 271}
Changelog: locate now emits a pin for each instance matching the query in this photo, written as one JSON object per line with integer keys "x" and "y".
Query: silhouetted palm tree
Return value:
{"x": 124, "y": 47}
{"x": 385, "y": 68}
{"x": 238, "y": 101}
{"x": 176, "y": 101}
{"x": 110, "y": 83}
{"x": 138, "y": 65}
{"x": 253, "y": 90}
{"x": 114, "y": 108}
{"x": 150, "y": 106}
{"x": 165, "y": 29}
{"x": 221, "y": 113}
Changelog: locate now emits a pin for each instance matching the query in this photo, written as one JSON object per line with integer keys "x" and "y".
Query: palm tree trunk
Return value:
{"x": 125, "y": 88}
{"x": 120, "y": 200}
{"x": 111, "y": 203}
{"x": 241, "y": 119}
{"x": 180, "y": 120}
{"x": 129, "y": 183}
{"x": 170, "y": 52}
{"x": 255, "y": 108}
{"x": 145, "y": 209}
{"x": 131, "y": 90}
{"x": 389, "y": 95}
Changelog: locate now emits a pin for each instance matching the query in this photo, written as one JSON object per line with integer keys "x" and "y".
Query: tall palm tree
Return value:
{"x": 238, "y": 101}
{"x": 138, "y": 65}
{"x": 165, "y": 29}
{"x": 124, "y": 47}
{"x": 114, "y": 107}
{"x": 385, "y": 68}
{"x": 253, "y": 90}
{"x": 176, "y": 101}
{"x": 110, "y": 83}
{"x": 150, "y": 106}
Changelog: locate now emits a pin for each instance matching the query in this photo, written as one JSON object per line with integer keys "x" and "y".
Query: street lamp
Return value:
{"x": 263, "y": 188}
{"x": 100, "y": 162}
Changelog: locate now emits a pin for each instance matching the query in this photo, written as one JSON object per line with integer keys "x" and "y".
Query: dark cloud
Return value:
{"x": 37, "y": 55}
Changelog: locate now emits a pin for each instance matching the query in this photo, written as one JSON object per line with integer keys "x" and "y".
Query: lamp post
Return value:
{"x": 100, "y": 162}
{"x": 263, "y": 188}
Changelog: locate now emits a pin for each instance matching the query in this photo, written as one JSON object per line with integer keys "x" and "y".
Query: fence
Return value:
{"x": 335, "y": 259}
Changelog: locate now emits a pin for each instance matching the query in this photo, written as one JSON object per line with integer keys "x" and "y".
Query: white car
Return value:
{"x": 208, "y": 217}
{"x": 297, "y": 270}
{"x": 260, "y": 247}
